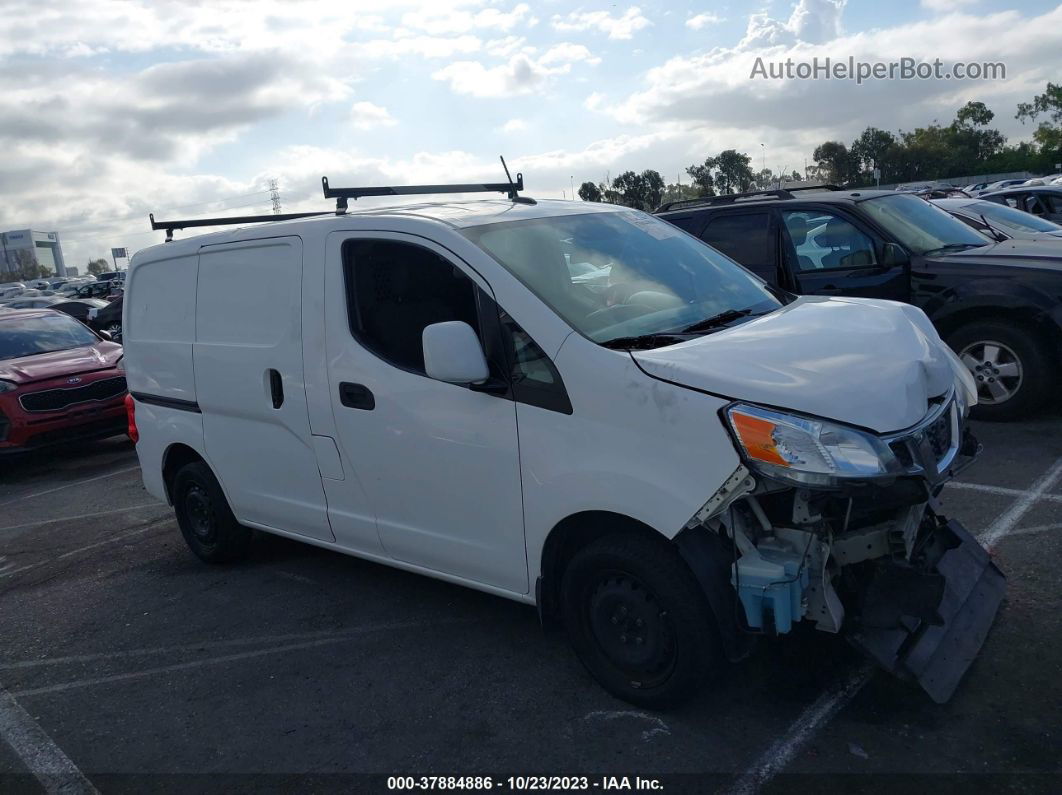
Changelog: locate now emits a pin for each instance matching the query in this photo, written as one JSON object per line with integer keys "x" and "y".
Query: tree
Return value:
{"x": 1047, "y": 136}
{"x": 733, "y": 171}
{"x": 730, "y": 171}
{"x": 703, "y": 181}
{"x": 869, "y": 150}
{"x": 835, "y": 162}
{"x": 642, "y": 191}
{"x": 678, "y": 192}
{"x": 973, "y": 114}
{"x": 589, "y": 192}
{"x": 97, "y": 266}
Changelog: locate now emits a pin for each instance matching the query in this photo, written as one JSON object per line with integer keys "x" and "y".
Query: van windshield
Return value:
{"x": 621, "y": 275}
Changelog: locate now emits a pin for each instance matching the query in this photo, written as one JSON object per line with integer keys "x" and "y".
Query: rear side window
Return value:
{"x": 690, "y": 222}
{"x": 745, "y": 238}
{"x": 395, "y": 290}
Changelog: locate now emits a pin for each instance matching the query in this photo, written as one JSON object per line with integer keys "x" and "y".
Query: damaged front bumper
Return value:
{"x": 875, "y": 561}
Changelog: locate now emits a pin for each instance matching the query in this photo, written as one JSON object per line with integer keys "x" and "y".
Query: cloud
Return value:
{"x": 812, "y": 21}
{"x": 514, "y": 126}
{"x": 367, "y": 116}
{"x": 621, "y": 27}
{"x": 521, "y": 74}
{"x": 402, "y": 45}
{"x": 703, "y": 20}
{"x": 439, "y": 20}
{"x": 712, "y": 91}
{"x": 941, "y": 6}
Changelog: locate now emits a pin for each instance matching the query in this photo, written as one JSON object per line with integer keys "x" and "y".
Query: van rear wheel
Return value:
{"x": 638, "y": 620}
{"x": 207, "y": 523}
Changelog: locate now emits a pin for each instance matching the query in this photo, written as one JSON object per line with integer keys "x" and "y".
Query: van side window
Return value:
{"x": 534, "y": 377}
{"x": 395, "y": 290}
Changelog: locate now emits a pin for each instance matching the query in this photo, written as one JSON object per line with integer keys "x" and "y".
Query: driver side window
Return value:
{"x": 825, "y": 241}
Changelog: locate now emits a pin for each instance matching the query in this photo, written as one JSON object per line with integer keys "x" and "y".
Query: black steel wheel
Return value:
{"x": 203, "y": 514}
{"x": 638, "y": 620}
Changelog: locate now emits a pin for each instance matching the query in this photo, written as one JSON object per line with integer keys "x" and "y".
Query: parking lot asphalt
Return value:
{"x": 127, "y": 664}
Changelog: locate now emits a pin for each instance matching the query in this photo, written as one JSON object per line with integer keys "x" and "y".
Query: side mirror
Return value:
{"x": 893, "y": 254}
{"x": 106, "y": 335}
{"x": 452, "y": 353}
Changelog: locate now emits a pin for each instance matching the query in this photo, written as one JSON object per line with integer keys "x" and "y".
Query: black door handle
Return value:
{"x": 276, "y": 388}
{"x": 356, "y": 396}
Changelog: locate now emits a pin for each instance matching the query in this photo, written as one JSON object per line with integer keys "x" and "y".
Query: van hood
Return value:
{"x": 860, "y": 361}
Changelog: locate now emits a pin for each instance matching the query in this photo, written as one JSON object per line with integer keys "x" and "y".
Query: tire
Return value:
{"x": 203, "y": 514}
{"x": 638, "y": 620}
{"x": 1011, "y": 366}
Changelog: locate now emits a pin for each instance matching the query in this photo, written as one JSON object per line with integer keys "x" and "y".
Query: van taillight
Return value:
{"x": 130, "y": 413}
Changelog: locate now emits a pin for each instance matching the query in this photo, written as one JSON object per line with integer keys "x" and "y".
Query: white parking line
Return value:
{"x": 68, "y": 486}
{"x": 1000, "y": 490}
{"x": 778, "y": 755}
{"x": 113, "y": 540}
{"x": 38, "y": 752}
{"x": 246, "y": 655}
{"x": 1006, "y": 522}
{"x": 781, "y": 753}
{"x": 84, "y": 516}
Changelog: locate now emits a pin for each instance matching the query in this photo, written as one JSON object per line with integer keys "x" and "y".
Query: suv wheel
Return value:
{"x": 638, "y": 620}
{"x": 203, "y": 514}
{"x": 1010, "y": 367}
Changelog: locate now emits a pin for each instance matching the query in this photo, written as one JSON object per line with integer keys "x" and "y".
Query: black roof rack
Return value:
{"x": 731, "y": 198}
{"x": 169, "y": 226}
{"x": 341, "y": 195}
{"x": 510, "y": 188}
{"x": 725, "y": 198}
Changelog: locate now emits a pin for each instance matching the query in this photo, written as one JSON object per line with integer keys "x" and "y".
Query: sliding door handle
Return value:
{"x": 276, "y": 388}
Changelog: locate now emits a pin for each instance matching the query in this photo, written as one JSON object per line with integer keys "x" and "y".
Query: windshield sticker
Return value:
{"x": 658, "y": 229}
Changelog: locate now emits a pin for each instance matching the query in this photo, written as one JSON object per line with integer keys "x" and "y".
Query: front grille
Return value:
{"x": 56, "y": 399}
{"x": 938, "y": 435}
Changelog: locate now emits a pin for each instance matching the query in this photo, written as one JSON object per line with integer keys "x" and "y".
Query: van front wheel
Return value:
{"x": 203, "y": 514}
{"x": 638, "y": 620}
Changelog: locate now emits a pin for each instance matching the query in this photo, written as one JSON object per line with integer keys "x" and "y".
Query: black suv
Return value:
{"x": 999, "y": 305}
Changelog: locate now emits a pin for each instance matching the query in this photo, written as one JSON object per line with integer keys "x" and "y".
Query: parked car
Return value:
{"x": 12, "y": 290}
{"x": 998, "y": 305}
{"x": 79, "y": 308}
{"x": 96, "y": 289}
{"x": 108, "y": 318}
{"x": 1046, "y": 180}
{"x": 32, "y": 302}
{"x": 975, "y": 188}
{"x": 1000, "y": 221}
{"x": 59, "y": 381}
{"x": 1044, "y": 201}
{"x": 111, "y": 276}
{"x": 666, "y": 467}
{"x": 999, "y": 185}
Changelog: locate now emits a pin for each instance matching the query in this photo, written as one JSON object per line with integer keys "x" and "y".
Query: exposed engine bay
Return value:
{"x": 875, "y": 560}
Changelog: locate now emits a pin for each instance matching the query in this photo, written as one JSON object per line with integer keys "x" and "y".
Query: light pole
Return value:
{"x": 763, "y": 162}
{"x": 571, "y": 184}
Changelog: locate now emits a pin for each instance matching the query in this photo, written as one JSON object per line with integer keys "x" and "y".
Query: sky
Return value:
{"x": 110, "y": 110}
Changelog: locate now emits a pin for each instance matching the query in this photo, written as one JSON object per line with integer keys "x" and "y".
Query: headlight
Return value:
{"x": 808, "y": 451}
{"x": 7, "y": 386}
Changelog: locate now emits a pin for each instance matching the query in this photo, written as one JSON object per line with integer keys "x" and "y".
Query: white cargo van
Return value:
{"x": 669, "y": 458}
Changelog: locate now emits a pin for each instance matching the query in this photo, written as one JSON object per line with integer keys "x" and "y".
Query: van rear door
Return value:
{"x": 250, "y": 385}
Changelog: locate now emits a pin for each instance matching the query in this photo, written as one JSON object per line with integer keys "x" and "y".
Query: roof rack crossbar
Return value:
{"x": 341, "y": 195}
{"x": 169, "y": 226}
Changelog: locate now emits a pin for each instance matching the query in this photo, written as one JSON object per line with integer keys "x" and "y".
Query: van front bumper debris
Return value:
{"x": 929, "y": 625}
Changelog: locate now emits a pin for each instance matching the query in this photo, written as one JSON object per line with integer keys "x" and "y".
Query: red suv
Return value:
{"x": 59, "y": 381}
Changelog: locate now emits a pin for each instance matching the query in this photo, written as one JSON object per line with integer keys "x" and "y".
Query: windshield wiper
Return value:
{"x": 644, "y": 341}
{"x": 729, "y": 316}
{"x": 956, "y": 247}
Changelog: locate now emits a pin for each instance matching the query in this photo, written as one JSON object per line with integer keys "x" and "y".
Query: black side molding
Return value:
{"x": 167, "y": 402}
